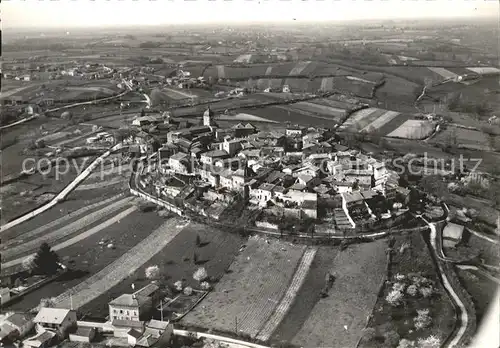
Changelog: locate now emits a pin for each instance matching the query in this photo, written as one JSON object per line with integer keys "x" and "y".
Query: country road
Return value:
{"x": 464, "y": 317}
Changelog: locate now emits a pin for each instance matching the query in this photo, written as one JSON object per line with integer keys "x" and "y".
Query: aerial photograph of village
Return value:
{"x": 186, "y": 181}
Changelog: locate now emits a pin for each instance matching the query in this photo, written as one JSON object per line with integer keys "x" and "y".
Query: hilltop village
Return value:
{"x": 295, "y": 177}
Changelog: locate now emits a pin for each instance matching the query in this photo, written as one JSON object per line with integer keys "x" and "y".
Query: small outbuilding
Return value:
{"x": 452, "y": 235}
{"x": 83, "y": 334}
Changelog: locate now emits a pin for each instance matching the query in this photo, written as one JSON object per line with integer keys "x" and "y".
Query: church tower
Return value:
{"x": 208, "y": 117}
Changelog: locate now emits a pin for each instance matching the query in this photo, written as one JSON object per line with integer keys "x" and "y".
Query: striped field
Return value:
{"x": 248, "y": 296}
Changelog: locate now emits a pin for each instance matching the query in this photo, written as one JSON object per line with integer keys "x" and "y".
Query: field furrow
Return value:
{"x": 120, "y": 268}
{"x": 291, "y": 293}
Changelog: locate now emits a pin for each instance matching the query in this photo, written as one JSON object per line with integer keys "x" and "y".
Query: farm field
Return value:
{"x": 65, "y": 212}
{"x": 481, "y": 289}
{"x": 464, "y": 138}
{"x": 411, "y": 258}
{"x": 68, "y": 234}
{"x": 413, "y": 129}
{"x": 288, "y": 113}
{"x": 359, "y": 271}
{"x": 88, "y": 257}
{"x": 308, "y": 295}
{"x": 250, "y": 290}
{"x": 376, "y": 120}
{"x": 121, "y": 267}
{"x": 216, "y": 252}
{"x": 39, "y": 188}
{"x": 319, "y": 109}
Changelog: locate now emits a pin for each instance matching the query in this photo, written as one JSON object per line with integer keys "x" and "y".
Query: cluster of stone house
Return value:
{"x": 291, "y": 169}
{"x": 129, "y": 319}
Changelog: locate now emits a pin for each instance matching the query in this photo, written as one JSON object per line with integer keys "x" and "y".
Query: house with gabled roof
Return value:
{"x": 58, "y": 320}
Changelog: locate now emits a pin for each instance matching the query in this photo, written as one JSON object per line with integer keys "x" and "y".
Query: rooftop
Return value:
{"x": 18, "y": 319}
{"x": 351, "y": 197}
{"x": 216, "y": 153}
{"x": 266, "y": 187}
{"x": 51, "y": 315}
{"x": 128, "y": 300}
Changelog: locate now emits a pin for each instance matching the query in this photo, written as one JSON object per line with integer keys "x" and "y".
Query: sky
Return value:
{"x": 81, "y": 13}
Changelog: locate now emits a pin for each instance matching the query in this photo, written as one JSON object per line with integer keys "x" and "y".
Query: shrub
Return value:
{"x": 47, "y": 302}
{"x": 394, "y": 298}
{"x": 398, "y": 287}
{"x": 205, "y": 286}
{"x": 404, "y": 343}
{"x": 369, "y": 334}
{"x": 423, "y": 319}
{"x": 153, "y": 272}
{"x": 426, "y": 291}
{"x": 29, "y": 263}
{"x": 403, "y": 247}
{"x": 429, "y": 342}
{"x": 391, "y": 338}
{"x": 412, "y": 290}
{"x": 200, "y": 274}
{"x": 178, "y": 285}
{"x": 188, "y": 291}
{"x": 400, "y": 276}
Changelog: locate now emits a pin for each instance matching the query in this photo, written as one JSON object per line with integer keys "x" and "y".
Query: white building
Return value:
{"x": 56, "y": 319}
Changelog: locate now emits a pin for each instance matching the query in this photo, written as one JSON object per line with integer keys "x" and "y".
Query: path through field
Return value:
{"x": 291, "y": 293}
{"x": 114, "y": 273}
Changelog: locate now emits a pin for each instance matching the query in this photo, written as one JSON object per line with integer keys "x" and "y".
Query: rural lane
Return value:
{"x": 464, "y": 317}
{"x": 61, "y": 195}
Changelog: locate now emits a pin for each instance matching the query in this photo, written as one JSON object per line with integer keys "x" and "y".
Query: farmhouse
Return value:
{"x": 134, "y": 307}
{"x": 22, "y": 323}
{"x": 56, "y": 319}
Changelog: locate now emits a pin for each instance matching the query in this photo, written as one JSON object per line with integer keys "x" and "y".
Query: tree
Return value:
{"x": 153, "y": 272}
{"x": 394, "y": 298}
{"x": 45, "y": 261}
{"x": 391, "y": 338}
{"x": 47, "y": 302}
{"x": 29, "y": 263}
{"x": 404, "y": 343}
{"x": 429, "y": 342}
{"x": 423, "y": 319}
{"x": 200, "y": 274}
